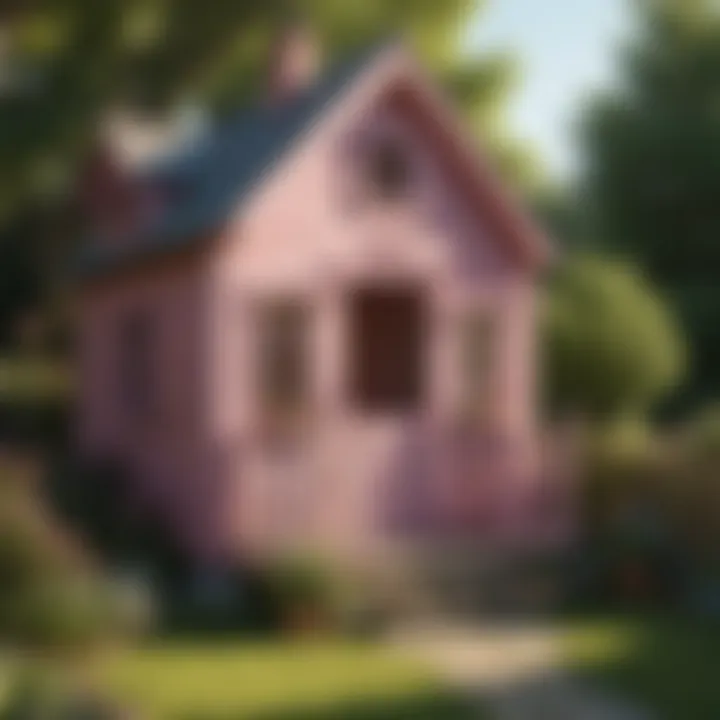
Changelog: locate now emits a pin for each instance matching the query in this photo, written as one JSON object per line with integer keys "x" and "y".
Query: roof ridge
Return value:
{"x": 254, "y": 141}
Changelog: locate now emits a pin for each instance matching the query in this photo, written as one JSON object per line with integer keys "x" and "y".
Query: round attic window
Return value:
{"x": 389, "y": 170}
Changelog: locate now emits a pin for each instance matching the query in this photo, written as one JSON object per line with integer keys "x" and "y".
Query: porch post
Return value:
{"x": 330, "y": 351}
{"x": 442, "y": 367}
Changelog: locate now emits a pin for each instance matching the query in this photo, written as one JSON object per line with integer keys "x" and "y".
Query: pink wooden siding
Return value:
{"x": 310, "y": 233}
{"x": 353, "y": 470}
{"x": 168, "y": 454}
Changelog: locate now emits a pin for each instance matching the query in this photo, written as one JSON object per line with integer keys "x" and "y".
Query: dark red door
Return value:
{"x": 388, "y": 349}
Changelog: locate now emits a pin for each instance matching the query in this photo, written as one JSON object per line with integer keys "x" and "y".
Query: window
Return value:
{"x": 282, "y": 356}
{"x": 477, "y": 364}
{"x": 389, "y": 171}
{"x": 388, "y": 349}
{"x": 136, "y": 352}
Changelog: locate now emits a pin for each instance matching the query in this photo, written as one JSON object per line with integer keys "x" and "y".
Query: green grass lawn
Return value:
{"x": 671, "y": 666}
{"x": 270, "y": 681}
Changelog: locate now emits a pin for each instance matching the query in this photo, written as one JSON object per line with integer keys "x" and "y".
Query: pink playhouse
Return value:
{"x": 312, "y": 326}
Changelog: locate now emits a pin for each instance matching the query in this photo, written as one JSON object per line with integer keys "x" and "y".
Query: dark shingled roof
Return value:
{"x": 216, "y": 172}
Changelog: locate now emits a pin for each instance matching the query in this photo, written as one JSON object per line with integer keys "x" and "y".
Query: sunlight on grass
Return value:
{"x": 591, "y": 643}
{"x": 269, "y": 680}
{"x": 668, "y": 665}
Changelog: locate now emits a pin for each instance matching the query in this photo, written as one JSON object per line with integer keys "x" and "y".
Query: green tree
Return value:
{"x": 68, "y": 60}
{"x": 654, "y": 167}
{"x": 612, "y": 346}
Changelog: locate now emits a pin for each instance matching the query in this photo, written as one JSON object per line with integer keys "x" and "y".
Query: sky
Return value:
{"x": 566, "y": 50}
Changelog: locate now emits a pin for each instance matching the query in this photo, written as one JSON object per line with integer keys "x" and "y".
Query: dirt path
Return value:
{"x": 516, "y": 672}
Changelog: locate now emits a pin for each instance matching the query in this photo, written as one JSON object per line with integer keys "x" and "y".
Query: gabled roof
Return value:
{"x": 216, "y": 171}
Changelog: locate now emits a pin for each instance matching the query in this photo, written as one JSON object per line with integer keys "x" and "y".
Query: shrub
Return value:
{"x": 312, "y": 594}
{"x": 695, "y": 484}
{"x": 66, "y": 613}
{"x": 631, "y": 552}
{"x": 35, "y": 401}
{"x": 302, "y": 592}
{"x": 622, "y": 467}
{"x": 612, "y": 343}
{"x": 31, "y": 695}
{"x": 45, "y": 693}
{"x": 704, "y": 434}
{"x": 51, "y": 593}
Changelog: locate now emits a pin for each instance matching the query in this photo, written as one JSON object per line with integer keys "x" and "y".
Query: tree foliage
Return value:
{"x": 70, "y": 59}
{"x": 612, "y": 344}
{"x": 654, "y": 166}
{"x": 65, "y": 62}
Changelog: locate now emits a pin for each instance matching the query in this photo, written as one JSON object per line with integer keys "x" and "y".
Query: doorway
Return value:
{"x": 388, "y": 348}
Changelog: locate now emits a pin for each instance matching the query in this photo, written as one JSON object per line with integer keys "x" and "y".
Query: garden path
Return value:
{"x": 516, "y": 672}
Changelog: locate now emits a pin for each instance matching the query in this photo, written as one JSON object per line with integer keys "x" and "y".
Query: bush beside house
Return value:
{"x": 52, "y": 594}
{"x": 651, "y": 509}
{"x": 35, "y": 401}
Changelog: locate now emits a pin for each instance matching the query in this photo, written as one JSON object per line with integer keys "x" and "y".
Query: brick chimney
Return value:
{"x": 295, "y": 62}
